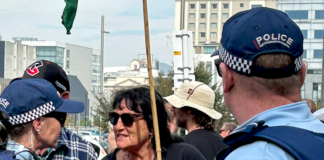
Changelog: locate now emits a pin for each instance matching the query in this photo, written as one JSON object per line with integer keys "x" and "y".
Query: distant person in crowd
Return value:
{"x": 32, "y": 113}
{"x": 311, "y": 104}
{"x": 134, "y": 132}
{"x": 227, "y": 128}
{"x": 193, "y": 104}
{"x": 111, "y": 139}
{"x": 172, "y": 119}
{"x": 262, "y": 71}
{"x": 71, "y": 145}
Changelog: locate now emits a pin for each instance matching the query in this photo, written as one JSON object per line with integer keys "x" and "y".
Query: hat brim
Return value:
{"x": 70, "y": 106}
{"x": 179, "y": 103}
{"x": 215, "y": 53}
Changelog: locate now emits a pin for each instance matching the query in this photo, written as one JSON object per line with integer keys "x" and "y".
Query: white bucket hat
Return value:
{"x": 195, "y": 95}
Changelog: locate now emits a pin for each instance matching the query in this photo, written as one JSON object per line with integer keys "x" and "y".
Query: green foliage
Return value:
{"x": 83, "y": 122}
{"x": 68, "y": 120}
{"x": 163, "y": 84}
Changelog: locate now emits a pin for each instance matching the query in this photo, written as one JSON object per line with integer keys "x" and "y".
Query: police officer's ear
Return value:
{"x": 303, "y": 71}
{"x": 228, "y": 79}
{"x": 65, "y": 95}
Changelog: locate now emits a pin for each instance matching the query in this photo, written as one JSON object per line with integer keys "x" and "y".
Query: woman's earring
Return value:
{"x": 151, "y": 137}
{"x": 38, "y": 131}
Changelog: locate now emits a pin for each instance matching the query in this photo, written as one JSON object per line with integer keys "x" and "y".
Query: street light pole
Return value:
{"x": 102, "y": 68}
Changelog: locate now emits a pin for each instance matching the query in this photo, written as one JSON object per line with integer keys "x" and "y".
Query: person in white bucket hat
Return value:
{"x": 193, "y": 106}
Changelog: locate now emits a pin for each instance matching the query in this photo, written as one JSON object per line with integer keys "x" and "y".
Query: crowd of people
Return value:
{"x": 260, "y": 62}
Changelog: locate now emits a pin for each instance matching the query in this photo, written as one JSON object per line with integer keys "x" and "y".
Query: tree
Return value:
{"x": 83, "y": 122}
{"x": 163, "y": 84}
{"x": 68, "y": 120}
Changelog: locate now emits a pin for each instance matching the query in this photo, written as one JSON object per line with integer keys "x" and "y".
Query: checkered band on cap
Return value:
{"x": 32, "y": 115}
{"x": 238, "y": 64}
{"x": 298, "y": 63}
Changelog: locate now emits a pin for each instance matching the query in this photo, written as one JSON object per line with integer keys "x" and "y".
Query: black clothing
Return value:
{"x": 208, "y": 142}
{"x": 175, "y": 151}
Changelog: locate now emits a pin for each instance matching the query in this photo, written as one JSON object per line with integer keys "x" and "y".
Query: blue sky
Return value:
{"x": 123, "y": 19}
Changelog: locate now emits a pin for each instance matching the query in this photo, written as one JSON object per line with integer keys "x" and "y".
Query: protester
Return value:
{"x": 133, "y": 127}
{"x": 70, "y": 145}
{"x": 262, "y": 72}
{"x": 32, "y": 113}
{"x": 227, "y": 128}
{"x": 172, "y": 119}
{"x": 194, "y": 111}
{"x": 311, "y": 104}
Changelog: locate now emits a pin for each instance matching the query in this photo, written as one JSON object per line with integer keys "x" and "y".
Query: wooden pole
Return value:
{"x": 152, "y": 92}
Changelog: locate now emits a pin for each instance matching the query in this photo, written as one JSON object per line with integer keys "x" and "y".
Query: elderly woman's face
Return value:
{"x": 50, "y": 132}
{"x": 133, "y": 136}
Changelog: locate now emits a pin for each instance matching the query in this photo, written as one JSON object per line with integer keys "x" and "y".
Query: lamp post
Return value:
{"x": 102, "y": 66}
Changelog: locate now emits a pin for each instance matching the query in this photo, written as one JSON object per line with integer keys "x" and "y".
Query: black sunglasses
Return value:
{"x": 127, "y": 118}
{"x": 221, "y": 131}
{"x": 59, "y": 116}
{"x": 217, "y": 64}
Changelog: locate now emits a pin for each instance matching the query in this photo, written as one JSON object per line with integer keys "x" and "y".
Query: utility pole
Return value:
{"x": 182, "y": 14}
{"x": 322, "y": 90}
{"x": 102, "y": 68}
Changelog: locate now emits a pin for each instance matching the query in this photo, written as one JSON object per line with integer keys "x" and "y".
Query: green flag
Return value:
{"x": 69, "y": 14}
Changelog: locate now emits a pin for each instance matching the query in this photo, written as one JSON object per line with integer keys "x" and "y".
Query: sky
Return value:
{"x": 123, "y": 19}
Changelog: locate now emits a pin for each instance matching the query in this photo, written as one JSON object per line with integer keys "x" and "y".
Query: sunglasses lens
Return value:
{"x": 62, "y": 118}
{"x": 113, "y": 117}
{"x": 127, "y": 119}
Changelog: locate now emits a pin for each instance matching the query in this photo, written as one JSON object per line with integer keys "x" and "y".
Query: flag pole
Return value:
{"x": 152, "y": 92}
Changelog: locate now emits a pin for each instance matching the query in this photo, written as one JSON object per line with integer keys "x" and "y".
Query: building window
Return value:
{"x": 202, "y": 25}
{"x": 256, "y": 6}
{"x": 95, "y": 59}
{"x": 202, "y": 34}
{"x": 191, "y": 25}
{"x": 53, "y": 54}
{"x": 214, "y": 6}
{"x": 67, "y": 64}
{"x": 317, "y": 88}
{"x": 319, "y": 14}
{"x": 209, "y": 50}
{"x": 193, "y": 34}
{"x": 318, "y": 34}
{"x": 241, "y": 4}
{"x": 202, "y": 6}
{"x": 67, "y": 53}
{"x": 301, "y": 14}
{"x": 209, "y": 65}
{"x": 302, "y": 91}
{"x": 202, "y": 15}
{"x": 225, "y": 5}
{"x": 212, "y": 34}
{"x": 214, "y": 15}
{"x": 318, "y": 53}
{"x": 305, "y": 53}
{"x": 225, "y": 15}
{"x": 212, "y": 42}
{"x": 213, "y": 25}
{"x": 191, "y": 16}
{"x": 304, "y": 33}
{"x": 201, "y": 43}
{"x": 192, "y": 6}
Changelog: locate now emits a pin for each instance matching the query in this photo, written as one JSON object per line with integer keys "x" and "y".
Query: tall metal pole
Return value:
{"x": 182, "y": 14}
{"x": 101, "y": 70}
{"x": 322, "y": 89}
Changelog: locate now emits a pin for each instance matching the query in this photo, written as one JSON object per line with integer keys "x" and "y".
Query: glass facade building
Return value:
{"x": 51, "y": 53}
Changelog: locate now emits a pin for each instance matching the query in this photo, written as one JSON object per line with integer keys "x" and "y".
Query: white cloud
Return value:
{"x": 123, "y": 18}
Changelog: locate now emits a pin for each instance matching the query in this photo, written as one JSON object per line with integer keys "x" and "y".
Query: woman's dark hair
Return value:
{"x": 139, "y": 101}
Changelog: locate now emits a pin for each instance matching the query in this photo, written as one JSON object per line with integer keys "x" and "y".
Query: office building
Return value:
{"x": 309, "y": 16}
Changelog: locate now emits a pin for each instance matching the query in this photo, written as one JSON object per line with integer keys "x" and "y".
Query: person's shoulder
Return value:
{"x": 259, "y": 150}
{"x": 184, "y": 151}
{"x": 200, "y": 134}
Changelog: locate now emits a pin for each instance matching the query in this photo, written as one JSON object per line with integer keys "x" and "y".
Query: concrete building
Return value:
{"x": 82, "y": 62}
{"x": 309, "y": 16}
{"x": 205, "y": 18}
{"x": 14, "y": 59}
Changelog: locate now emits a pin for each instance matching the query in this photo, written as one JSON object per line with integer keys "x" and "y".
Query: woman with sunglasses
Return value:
{"x": 134, "y": 132}
{"x": 32, "y": 113}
